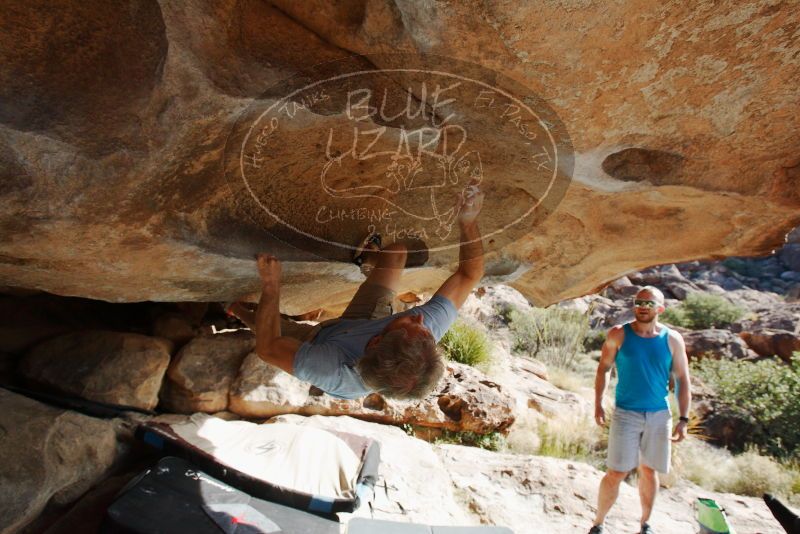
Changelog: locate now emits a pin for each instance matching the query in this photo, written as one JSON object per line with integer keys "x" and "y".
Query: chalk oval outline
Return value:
{"x": 399, "y": 70}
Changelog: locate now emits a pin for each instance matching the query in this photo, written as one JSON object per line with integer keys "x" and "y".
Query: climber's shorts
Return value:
{"x": 639, "y": 438}
{"x": 371, "y": 301}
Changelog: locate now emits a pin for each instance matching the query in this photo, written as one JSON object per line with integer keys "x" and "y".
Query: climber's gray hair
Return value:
{"x": 401, "y": 366}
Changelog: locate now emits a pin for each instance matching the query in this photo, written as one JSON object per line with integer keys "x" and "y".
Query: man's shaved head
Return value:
{"x": 653, "y": 292}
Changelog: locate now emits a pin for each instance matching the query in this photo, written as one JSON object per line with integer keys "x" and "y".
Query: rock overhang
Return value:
{"x": 681, "y": 121}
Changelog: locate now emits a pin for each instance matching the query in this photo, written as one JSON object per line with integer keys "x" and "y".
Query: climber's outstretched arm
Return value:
{"x": 270, "y": 345}
{"x": 470, "y": 267}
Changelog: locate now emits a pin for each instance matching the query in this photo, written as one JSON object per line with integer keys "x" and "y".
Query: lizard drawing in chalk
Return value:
{"x": 409, "y": 172}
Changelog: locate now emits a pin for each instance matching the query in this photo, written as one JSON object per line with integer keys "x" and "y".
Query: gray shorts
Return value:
{"x": 371, "y": 301}
{"x": 639, "y": 438}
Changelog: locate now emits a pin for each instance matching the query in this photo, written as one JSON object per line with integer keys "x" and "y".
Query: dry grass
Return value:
{"x": 553, "y": 335}
{"x": 716, "y": 469}
{"x": 566, "y": 435}
{"x": 568, "y": 380}
{"x": 572, "y": 436}
{"x": 522, "y": 437}
{"x": 754, "y": 474}
{"x": 577, "y": 438}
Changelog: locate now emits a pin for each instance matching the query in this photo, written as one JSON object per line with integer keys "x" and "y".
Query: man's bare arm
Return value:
{"x": 270, "y": 345}
{"x": 680, "y": 369}
{"x": 470, "y": 268}
{"x": 470, "y": 261}
{"x": 608, "y": 354}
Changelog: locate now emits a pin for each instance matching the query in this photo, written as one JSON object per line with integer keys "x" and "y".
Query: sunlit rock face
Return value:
{"x": 669, "y": 134}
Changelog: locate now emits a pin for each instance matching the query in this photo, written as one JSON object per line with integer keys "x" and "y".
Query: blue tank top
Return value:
{"x": 643, "y": 368}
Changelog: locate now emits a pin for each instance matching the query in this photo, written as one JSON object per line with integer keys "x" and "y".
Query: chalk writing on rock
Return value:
{"x": 347, "y": 148}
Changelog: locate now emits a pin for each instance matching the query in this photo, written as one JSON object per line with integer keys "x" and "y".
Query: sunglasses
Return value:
{"x": 640, "y": 303}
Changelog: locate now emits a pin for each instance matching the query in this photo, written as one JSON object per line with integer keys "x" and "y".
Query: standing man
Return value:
{"x": 370, "y": 349}
{"x": 646, "y": 352}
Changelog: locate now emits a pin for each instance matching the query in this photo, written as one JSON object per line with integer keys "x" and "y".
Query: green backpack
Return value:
{"x": 712, "y": 518}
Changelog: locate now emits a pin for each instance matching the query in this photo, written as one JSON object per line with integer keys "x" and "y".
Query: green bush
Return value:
{"x": 554, "y": 335}
{"x": 493, "y": 441}
{"x": 504, "y": 311}
{"x": 676, "y": 317}
{"x": 594, "y": 340}
{"x": 466, "y": 344}
{"x": 702, "y": 310}
{"x": 764, "y": 395}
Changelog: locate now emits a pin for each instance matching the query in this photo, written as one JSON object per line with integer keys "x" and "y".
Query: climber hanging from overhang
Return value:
{"x": 370, "y": 348}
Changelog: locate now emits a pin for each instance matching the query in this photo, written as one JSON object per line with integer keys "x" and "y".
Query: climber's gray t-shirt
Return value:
{"x": 328, "y": 361}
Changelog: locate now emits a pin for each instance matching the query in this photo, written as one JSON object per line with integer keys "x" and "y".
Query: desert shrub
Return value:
{"x": 755, "y": 474}
{"x": 466, "y": 344}
{"x": 764, "y": 395}
{"x": 554, "y": 335}
{"x": 522, "y": 436}
{"x": 700, "y": 462}
{"x": 562, "y": 435}
{"x": 716, "y": 469}
{"x": 594, "y": 340}
{"x": 572, "y": 437}
{"x": 569, "y": 380}
{"x": 702, "y": 310}
{"x": 493, "y": 441}
{"x": 676, "y": 317}
{"x": 505, "y": 310}
{"x": 577, "y": 377}
{"x": 794, "y": 469}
